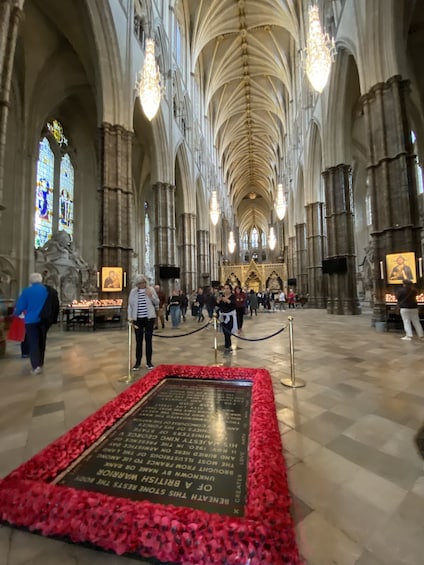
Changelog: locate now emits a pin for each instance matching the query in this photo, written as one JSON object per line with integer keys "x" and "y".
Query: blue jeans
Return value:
{"x": 175, "y": 316}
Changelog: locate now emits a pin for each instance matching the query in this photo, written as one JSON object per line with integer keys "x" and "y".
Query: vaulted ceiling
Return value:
{"x": 243, "y": 50}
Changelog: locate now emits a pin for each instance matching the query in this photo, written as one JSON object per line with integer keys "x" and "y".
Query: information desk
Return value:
{"x": 92, "y": 317}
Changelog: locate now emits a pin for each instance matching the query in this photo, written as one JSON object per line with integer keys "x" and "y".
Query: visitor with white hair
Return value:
{"x": 142, "y": 304}
{"x": 31, "y": 302}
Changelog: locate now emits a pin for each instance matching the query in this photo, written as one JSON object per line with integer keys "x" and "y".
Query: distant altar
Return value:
{"x": 256, "y": 276}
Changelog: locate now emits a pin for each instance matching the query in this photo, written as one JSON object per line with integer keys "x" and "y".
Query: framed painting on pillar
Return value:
{"x": 400, "y": 267}
{"x": 112, "y": 279}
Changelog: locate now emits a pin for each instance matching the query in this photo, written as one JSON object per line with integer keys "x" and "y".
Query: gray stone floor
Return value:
{"x": 356, "y": 478}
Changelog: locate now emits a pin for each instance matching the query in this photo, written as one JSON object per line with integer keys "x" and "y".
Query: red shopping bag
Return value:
{"x": 17, "y": 329}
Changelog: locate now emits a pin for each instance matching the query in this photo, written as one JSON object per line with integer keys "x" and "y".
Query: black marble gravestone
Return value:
{"x": 186, "y": 444}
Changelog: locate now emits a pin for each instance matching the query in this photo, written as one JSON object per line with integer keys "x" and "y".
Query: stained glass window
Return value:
{"x": 44, "y": 194}
{"x": 66, "y": 210}
{"x": 148, "y": 265}
{"x": 57, "y": 131}
{"x": 54, "y": 194}
{"x": 254, "y": 238}
{"x": 418, "y": 165}
{"x": 368, "y": 209}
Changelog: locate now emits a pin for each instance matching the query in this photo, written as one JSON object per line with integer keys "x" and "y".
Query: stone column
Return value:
{"x": 394, "y": 199}
{"x": 187, "y": 252}
{"x": 342, "y": 293}
{"x": 10, "y": 16}
{"x": 165, "y": 232}
{"x": 203, "y": 258}
{"x": 316, "y": 245}
{"x": 116, "y": 198}
{"x": 213, "y": 254}
{"x": 301, "y": 254}
{"x": 291, "y": 258}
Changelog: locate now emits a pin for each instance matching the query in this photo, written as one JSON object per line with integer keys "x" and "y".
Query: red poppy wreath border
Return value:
{"x": 264, "y": 536}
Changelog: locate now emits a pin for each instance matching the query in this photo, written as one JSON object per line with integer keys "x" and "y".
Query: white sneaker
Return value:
{"x": 406, "y": 338}
{"x": 36, "y": 371}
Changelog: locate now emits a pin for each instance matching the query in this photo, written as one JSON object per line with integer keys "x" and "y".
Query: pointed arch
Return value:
{"x": 314, "y": 190}
{"x": 344, "y": 92}
{"x": 183, "y": 181}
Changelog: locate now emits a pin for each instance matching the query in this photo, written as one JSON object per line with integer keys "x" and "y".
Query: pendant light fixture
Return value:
{"x": 319, "y": 52}
{"x": 150, "y": 87}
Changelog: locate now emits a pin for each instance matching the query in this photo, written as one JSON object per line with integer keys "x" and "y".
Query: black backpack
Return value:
{"x": 50, "y": 310}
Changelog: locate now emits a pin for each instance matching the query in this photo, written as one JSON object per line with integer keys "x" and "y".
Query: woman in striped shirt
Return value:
{"x": 142, "y": 304}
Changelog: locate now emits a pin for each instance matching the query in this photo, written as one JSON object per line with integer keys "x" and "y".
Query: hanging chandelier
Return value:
{"x": 319, "y": 52}
{"x": 150, "y": 87}
{"x": 280, "y": 203}
{"x": 231, "y": 243}
{"x": 272, "y": 240}
{"x": 214, "y": 210}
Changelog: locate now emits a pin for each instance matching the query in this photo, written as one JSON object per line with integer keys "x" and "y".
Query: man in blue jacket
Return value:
{"x": 31, "y": 301}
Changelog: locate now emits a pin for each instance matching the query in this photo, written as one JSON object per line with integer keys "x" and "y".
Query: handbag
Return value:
{"x": 17, "y": 329}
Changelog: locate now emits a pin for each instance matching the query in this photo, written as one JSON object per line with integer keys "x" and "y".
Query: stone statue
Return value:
{"x": 368, "y": 266}
{"x": 59, "y": 249}
{"x": 63, "y": 268}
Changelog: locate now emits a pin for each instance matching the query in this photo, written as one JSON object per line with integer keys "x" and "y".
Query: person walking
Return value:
{"x": 407, "y": 303}
{"x": 200, "y": 299}
{"x": 174, "y": 305}
{"x": 240, "y": 299}
{"x": 282, "y": 300}
{"x": 210, "y": 302}
{"x": 227, "y": 315}
{"x": 193, "y": 303}
{"x": 183, "y": 304}
{"x": 253, "y": 302}
{"x": 31, "y": 303}
{"x": 291, "y": 299}
{"x": 142, "y": 304}
{"x": 160, "y": 312}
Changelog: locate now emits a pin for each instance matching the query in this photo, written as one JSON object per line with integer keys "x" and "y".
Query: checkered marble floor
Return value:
{"x": 356, "y": 478}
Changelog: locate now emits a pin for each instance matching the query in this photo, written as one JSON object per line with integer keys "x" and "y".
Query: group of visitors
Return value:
{"x": 148, "y": 309}
{"x": 147, "y": 306}
{"x": 38, "y": 304}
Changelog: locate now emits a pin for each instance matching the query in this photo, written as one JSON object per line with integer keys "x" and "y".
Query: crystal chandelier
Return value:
{"x": 214, "y": 210}
{"x": 280, "y": 203}
{"x": 231, "y": 243}
{"x": 320, "y": 51}
{"x": 150, "y": 82}
{"x": 272, "y": 240}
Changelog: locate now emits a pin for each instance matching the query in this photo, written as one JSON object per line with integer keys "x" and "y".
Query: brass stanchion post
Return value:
{"x": 292, "y": 382}
{"x": 128, "y": 378}
{"x": 215, "y": 341}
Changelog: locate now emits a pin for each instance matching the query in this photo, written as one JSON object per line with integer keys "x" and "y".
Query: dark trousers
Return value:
{"x": 37, "y": 334}
{"x": 200, "y": 316}
{"x": 144, "y": 330}
{"x": 240, "y": 315}
{"x": 25, "y": 347}
{"x": 227, "y": 329}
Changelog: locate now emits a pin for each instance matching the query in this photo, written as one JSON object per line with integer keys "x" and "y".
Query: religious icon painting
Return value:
{"x": 400, "y": 267}
{"x": 112, "y": 279}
